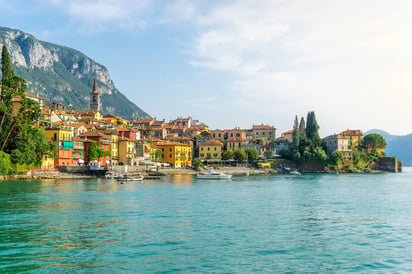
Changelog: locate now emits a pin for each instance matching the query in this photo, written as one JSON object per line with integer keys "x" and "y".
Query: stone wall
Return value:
{"x": 390, "y": 164}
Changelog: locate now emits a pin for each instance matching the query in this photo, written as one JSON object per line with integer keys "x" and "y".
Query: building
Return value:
{"x": 105, "y": 144}
{"x": 127, "y": 151}
{"x": 336, "y": 142}
{"x": 264, "y": 131}
{"x": 94, "y": 97}
{"x": 354, "y": 137}
{"x": 78, "y": 151}
{"x": 62, "y": 135}
{"x": 211, "y": 150}
{"x": 287, "y": 136}
{"x": 176, "y": 154}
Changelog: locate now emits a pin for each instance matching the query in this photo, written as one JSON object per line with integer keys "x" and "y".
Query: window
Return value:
{"x": 208, "y": 149}
{"x": 170, "y": 155}
{"x": 215, "y": 148}
{"x": 214, "y": 154}
{"x": 170, "y": 149}
{"x": 201, "y": 148}
{"x": 201, "y": 155}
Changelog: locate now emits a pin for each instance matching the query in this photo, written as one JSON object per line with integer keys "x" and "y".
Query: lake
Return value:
{"x": 265, "y": 223}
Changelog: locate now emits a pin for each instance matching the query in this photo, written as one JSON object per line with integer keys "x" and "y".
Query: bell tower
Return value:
{"x": 94, "y": 97}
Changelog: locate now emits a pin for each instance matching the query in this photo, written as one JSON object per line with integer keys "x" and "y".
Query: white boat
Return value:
{"x": 295, "y": 172}
{"x": 214, "y": 175}
{"x": 126, "y": 177}
{"x": 112, "y": 175}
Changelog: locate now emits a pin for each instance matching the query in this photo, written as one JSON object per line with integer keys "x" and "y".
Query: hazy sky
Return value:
{"x": 244, "y": 62}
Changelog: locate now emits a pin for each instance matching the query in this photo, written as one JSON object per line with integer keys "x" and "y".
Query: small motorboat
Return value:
{"x": 214, "y": 175}
{"x": 126, "y": 177}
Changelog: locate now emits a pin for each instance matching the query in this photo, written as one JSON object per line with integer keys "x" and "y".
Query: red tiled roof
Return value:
{"x": 212, "y": 142}
{"x": 262, "y": 126}
{"x": 350, "y": 132}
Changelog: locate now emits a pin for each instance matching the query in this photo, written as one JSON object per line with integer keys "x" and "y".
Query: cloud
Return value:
{"x": 349, "y": 58}
{"x": 98, "y": 15}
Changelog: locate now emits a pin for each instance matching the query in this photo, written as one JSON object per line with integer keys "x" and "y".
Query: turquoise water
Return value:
{"x": 308, "y": 223}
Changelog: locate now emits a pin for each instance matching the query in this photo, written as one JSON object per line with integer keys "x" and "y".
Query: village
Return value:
{"x": 151, "y": 142}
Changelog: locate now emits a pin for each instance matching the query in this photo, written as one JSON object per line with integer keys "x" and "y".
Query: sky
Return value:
{"x": 238, "y": 63}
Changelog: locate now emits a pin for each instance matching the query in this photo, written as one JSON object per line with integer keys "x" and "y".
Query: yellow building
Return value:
{"x": 114, "y": 148}
{"x": 115, "y": 120}
{"x": 87, "y": 114}
{"x": 176, "y": 154}
{"x": 354, "y": 137}
{"x": 126, "y": 151}
{"x": 211, "y": 150}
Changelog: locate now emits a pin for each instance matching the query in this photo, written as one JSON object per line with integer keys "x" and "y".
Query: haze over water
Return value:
{"x": 308, "y": 223}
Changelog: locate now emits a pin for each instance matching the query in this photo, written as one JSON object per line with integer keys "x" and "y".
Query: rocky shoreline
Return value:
{"x": 38, "y": 175}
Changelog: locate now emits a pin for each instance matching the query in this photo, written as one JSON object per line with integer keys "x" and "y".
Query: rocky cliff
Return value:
{"x": 64, "y": 75}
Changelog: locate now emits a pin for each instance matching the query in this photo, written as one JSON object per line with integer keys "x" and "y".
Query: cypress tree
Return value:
{"x": 7, "y": 73}
{"x": 312, "y": 128}
{"x": 302, "y": 126}
{"x": 295, "y": 135}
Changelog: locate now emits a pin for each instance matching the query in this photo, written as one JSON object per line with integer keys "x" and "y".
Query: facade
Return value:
{"x": 354, "y": 137}
{"x": 211, "y": 150}
{"x": 126, "y": 151}
{"x": 105, "y": 146}
{"x": 62, "y": 136}
{"x": 176, "y": 154}
{"x": 287, "y": 136}
{"x": 264, "y": 131}
{"x": 78, "y": 151}
{"x": 336, "y": 142}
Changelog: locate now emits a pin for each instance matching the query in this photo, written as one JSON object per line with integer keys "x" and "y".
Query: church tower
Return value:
{"x": 95, "y": 98}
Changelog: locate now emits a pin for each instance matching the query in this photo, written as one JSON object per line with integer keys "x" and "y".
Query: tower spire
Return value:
{"x": 95, "y": 86}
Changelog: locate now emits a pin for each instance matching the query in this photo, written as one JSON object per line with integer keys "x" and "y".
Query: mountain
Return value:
{"x": 399, "y": 146}
{"x": 64, "y": 75}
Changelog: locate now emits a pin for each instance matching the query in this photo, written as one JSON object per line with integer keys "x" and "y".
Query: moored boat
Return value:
{"x": 214, "y": 175}
{"x": 126, "y": 177}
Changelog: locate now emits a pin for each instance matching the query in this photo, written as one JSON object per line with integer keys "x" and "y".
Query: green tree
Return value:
{"x": 197, "y": 162}
{"x": 320, "y": 154}
{"x": 227, "y": 155}
{"x": 95, "y": 152}
{"x": 158, "y": 154}
{"x": 302, "y": 126}
{"x": 267, "y": 154}
{"x": 312, "y": 129}
{"x": 295, "y": 135}
{"x": 25, "y": 143}
{"x": 4, "y": 163}
{"x": 252, "y": 154}
{"x": 239, "y": 155}
{"x": 6, "y": 67}
{"x": 336, "y": 158}
{"x": 374, "y": 141}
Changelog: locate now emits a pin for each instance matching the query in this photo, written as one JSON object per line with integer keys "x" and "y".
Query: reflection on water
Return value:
{"x": 308, "y": 223}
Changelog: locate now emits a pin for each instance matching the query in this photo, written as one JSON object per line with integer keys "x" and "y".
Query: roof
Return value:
{"x": 95, "y": 86}
{"x": 288, "y": 132}
{"x": 262, "y": 126}
{"x": 93, "y": 134}
{"x": 351, "y": 132}
{"x": 212, "y": 142}
{"x": 173, "y": 144}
